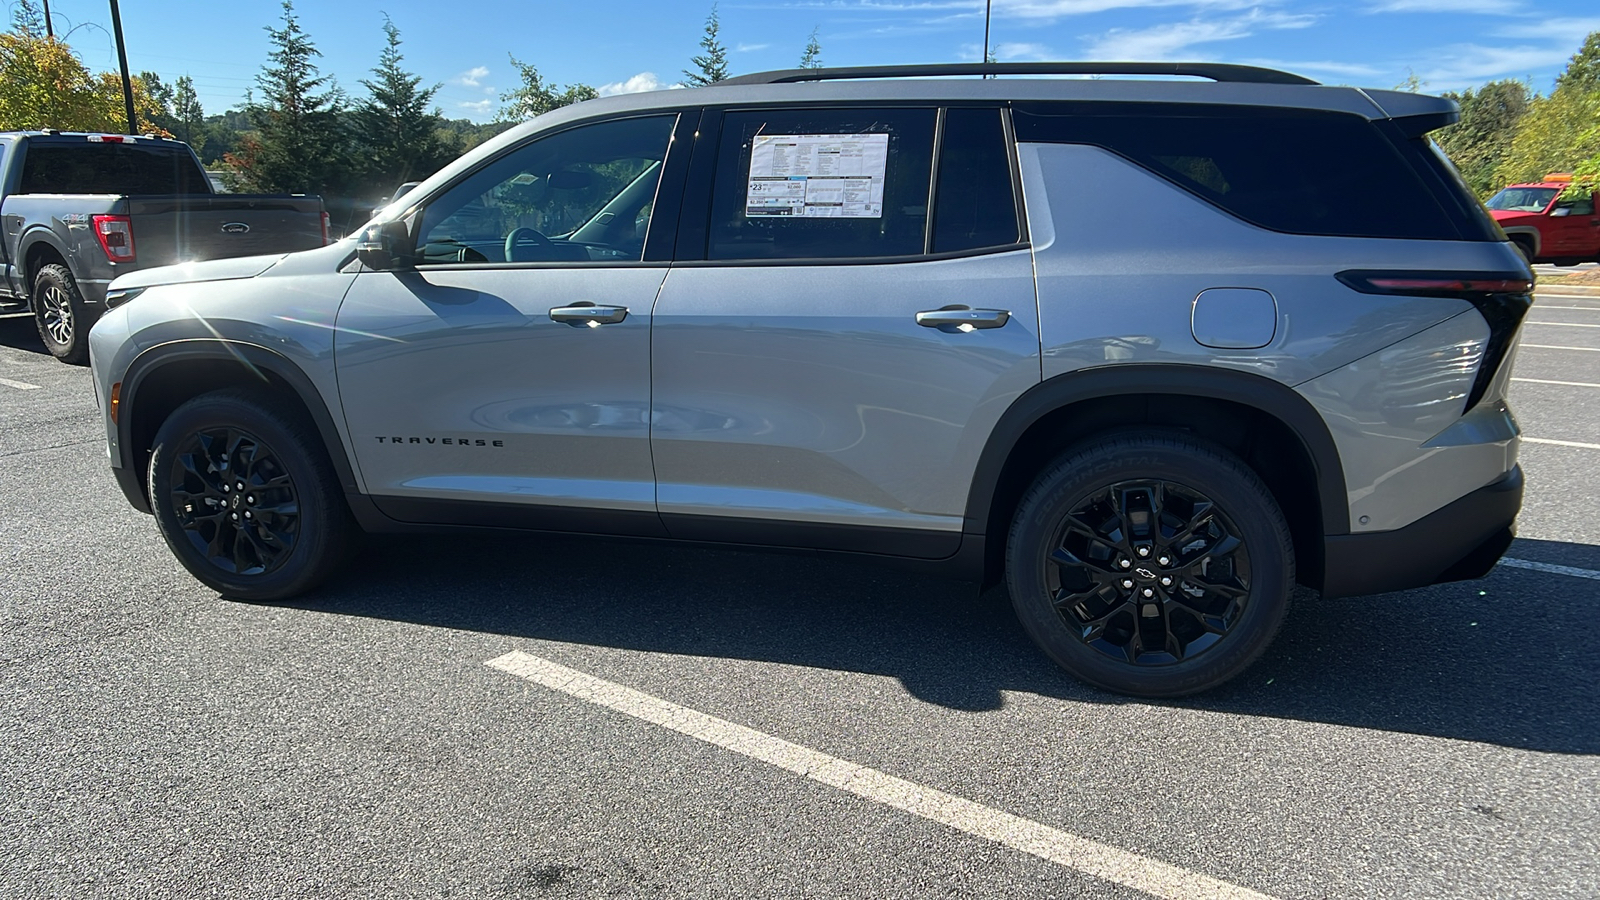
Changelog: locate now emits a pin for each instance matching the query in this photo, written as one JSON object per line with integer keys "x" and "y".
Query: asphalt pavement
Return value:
{"x": 715, "y": 723}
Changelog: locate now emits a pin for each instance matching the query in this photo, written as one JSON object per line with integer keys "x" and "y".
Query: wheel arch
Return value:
{"x": 164, "y": 376}
{"x": 1526, "y": 234}
{"x": 1271, "y": 427}
{"x": 39, "y": 250}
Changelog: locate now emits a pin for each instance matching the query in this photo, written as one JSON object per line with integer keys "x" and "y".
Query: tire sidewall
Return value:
{"x": 1238, "y": 493}
{"x": 77, "y": 351}
{"x": 319, "y": 531}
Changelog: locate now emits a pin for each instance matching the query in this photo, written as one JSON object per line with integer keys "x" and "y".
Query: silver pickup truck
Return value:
{"x": 81, "y": 209}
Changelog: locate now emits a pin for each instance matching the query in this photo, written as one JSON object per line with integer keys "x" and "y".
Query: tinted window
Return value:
{"x": 579, "y": 195}
{"x": 1580, "y": 206}
{"x": 973, "y": 205}
{"x": 90, "y": 168}
{"x": 821, "y": 184}
{"x": 1300, "y": 171}
{"x": 1515, "y": 199}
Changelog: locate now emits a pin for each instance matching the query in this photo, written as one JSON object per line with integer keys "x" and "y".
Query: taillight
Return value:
{"x": 1502, "y": 298}
{"x": 116, "y": 237}
{"x": 324, "y": 229}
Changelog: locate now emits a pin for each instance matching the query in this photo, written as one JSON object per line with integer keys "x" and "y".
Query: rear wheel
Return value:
{"x": 61, "y": 315}
{"x": 1150, "y": 564}
{"x": 245, "y": 497}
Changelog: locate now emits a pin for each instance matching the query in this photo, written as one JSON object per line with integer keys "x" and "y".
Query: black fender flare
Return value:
{"x": 252, "y": 358}
{"x": 1270, "y": 397}
{"x": 31, "y": 239}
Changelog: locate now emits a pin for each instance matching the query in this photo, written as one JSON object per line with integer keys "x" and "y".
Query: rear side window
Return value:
{"x": 822, "y": 184}
{"x": 89, "y": 168}
{"x": 1292, "y": 170}
{"x": 974, "y": 205}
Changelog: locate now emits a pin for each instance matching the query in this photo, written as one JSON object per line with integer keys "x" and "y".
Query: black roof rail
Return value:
{"x": 1213, "y": 71}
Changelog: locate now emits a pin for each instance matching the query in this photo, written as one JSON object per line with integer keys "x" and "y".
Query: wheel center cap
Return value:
{"x": 235, "y": 503}
{"x": 1144, "y": 574}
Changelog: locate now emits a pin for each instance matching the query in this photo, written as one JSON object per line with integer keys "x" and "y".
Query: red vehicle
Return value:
{"x": 1547, "y": 222}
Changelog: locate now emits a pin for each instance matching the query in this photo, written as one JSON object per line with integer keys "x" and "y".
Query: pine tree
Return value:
{"x": 713, "y": 64}
{"x": 536, "y": 96}
{"x": 812, "y": 58}
{"x": 300, "y": 144}
{"x": 399, "y": 135}
{"x": 189, "y": 118}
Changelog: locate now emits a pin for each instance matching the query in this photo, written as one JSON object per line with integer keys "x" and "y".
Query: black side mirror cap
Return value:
{"x": 384, "y": 246}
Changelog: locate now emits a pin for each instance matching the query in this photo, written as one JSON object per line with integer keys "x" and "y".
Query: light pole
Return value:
{"x": 988, "y": 7}
{"x": 122, "y": 58}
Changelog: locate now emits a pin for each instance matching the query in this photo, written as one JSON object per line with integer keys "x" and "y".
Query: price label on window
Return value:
{"x": 817, "y": 175}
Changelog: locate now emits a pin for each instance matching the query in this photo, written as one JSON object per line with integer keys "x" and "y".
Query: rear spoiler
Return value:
{"x": 1415, "y": 114}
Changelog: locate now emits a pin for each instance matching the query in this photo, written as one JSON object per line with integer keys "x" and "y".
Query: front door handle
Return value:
{"x": 959, "y": 318}
{"x": 588, "y": 315}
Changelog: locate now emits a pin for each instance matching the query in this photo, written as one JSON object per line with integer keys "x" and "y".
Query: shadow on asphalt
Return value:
{"x": 20, "y": 333}
{"x": 1507, "y": 660}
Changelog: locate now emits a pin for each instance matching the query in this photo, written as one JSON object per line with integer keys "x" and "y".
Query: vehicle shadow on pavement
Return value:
{"x": 20, "y": 333}
{"x": 1506, "y": 660}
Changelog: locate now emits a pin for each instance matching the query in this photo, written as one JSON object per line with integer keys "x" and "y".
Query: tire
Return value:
{"x": 60, "y": 314}
{"x": 1525, "y": 247}
{"x": 288, "y": 528}
{"x": 1077, "y": 578}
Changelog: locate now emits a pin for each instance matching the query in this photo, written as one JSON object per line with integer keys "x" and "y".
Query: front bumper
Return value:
{"x": 1460, "y": 541}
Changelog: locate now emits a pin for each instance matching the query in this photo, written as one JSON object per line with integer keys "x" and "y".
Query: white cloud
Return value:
{"x": 1568, "y": 31}
{"x": 1022, "y": 51}
{"x": 1345, "y": 69}
{"x": 749, "y": 48}
{"x": 477, "y": 106}
{"x": 1485, "y": 7}
{"x": 644, "y": 81}
{"x": 1056, "y": 9}
{"x": 473, "y": 77}
{"x": 1165, "y": 41}
{"x": 1469, "y": 65}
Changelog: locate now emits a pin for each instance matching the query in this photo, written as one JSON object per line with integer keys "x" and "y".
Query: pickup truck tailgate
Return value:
{"x": 184, "y": 227}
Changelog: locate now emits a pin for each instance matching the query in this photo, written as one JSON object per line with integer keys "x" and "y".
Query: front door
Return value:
{"x": 1576, "y": 232}
{"x": 504, "y": 379}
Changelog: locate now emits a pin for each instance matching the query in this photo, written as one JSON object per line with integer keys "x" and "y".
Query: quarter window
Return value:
{"x": 974, "y": 205}
{"x": 822, "y": 184}
{"x": 581, "y": 195}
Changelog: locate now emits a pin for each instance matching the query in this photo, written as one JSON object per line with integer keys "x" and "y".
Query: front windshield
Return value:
{"x": 1523, "y": 199}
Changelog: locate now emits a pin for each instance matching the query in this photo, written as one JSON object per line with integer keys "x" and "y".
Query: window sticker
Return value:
{"x": 817, "y": 175}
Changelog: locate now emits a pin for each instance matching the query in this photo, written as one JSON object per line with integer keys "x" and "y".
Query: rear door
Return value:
{"x": 826, "y": 366}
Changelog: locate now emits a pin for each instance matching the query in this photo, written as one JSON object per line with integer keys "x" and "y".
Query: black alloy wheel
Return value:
{"x": 234, "y": 500}
{"x": 1149, "y": 572}
{"x": 245, "y": 495}
{"x": 1152, "y": 564}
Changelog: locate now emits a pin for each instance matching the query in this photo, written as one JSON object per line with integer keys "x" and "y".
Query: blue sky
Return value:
{"x": 638, "y": 44}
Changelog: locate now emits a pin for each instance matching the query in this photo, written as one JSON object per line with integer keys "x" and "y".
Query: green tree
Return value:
{"x": 300, "y": 143}
{"x": 189, "y": 120}
{"x": 535, "y": 96}
{"x": 43, "y": 84}
{"x": 712, "y": 65}
{"x": 1560, "y": 131}
{"x": 812, "y": 58}
{"x": 1479, "y": 142}
{"x": 399, "y": 135}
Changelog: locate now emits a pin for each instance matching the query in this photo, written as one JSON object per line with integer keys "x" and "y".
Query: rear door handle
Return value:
{"x": 588, "y": 315}
{"x": 959, "y": 318}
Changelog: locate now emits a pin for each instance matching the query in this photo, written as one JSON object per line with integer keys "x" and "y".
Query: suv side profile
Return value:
{"x": 1138, "y": 347}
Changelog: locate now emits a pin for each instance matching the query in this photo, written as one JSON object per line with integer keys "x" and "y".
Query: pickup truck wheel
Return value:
{"x": 60, "y": 313}
{"x": 245, "y": 497}
{"x": 1150, "y": 564}
{"x": 1524, "y": 246}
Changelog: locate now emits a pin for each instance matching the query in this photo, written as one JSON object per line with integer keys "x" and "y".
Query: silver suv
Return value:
{"x": 1152, "y": 351}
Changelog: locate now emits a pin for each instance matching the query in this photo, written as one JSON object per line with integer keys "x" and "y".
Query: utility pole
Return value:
{"x": 988, "y": 7}
{"x": 49, "y": 30}
{"x": 122, "y": 58}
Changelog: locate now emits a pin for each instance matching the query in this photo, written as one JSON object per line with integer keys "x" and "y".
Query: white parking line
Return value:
{"x": 1554, "y": 347}
{"x": 1579, "y": 444}
{"x": 1553, "y": 570}
{"x": 19, "y": 385}
{"x": 1583, "y": 308}
{"x": 1567, "y": 383}
{"x": 1051, "y": 844}
{"x": 1567, "y": 324}
{"x": 1567, "y": 296}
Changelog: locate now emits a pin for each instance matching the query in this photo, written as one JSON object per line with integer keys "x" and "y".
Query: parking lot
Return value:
{"x": 544, "y": 716}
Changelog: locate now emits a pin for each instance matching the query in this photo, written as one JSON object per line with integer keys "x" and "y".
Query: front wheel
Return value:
{"x": 245, "y": 497}
{"x": 1150, "y": 564}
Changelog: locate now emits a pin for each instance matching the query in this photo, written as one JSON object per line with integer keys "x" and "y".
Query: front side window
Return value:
{"x": 581, "y": 195}
{"x": 822, "y": 184}
{"x": 1580, "y": 206}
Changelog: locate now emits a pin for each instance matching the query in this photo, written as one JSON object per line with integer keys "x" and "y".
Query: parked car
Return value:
{"x": 1138, "y": 348}
{"x": 1548, "y": 221}
{"x": 81, "y": 209}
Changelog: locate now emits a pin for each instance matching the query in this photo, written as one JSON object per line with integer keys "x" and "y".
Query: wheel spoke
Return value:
{"x": 252, "y": 531}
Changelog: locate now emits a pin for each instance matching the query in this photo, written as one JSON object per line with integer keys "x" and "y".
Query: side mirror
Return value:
{"x": 1560, "y": 211}
{"x": 385, "y": 245}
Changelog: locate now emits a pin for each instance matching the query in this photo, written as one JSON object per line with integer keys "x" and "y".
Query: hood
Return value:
{"x": 1503, "y": 216}
{"x": 189, "y": 273}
